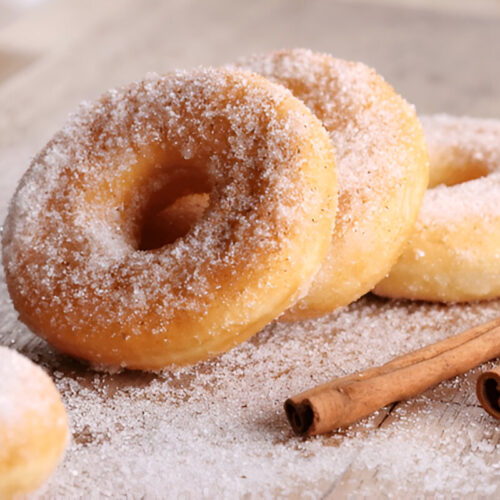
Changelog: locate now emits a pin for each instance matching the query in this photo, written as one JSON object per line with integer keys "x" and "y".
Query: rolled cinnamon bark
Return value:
{"x": 488, "y": 391}
{"x": 343, "y": 401}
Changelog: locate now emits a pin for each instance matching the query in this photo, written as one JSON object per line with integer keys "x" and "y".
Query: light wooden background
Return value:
{"x": 443, "y": 57}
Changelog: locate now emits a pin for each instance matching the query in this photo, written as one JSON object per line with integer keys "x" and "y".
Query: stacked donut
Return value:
{"x": 173, "y": 218}
{"x": 453, "y": 254}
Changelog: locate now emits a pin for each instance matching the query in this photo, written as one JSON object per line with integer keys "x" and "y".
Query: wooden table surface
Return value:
{"x": 443, "y": 59}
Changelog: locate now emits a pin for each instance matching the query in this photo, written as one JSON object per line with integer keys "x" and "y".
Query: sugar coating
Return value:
{"x": 453, "y": 253}
{"x": 382, "y": 169}
{"x": 372, "y": 154}
{"x": 74, "y": 221}
{"x": 23, "y": 390}
{"x": 462, "y": 140}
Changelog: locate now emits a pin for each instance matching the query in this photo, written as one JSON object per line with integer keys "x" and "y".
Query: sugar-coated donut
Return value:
{"x": 454, "y": 252}
{"x": 75, "y": 265}
{"x": 382, "y": 168}
{"x": 33, "y": 425}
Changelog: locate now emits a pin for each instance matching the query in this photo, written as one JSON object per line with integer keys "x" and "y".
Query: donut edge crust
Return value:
{"x": 148, "y": 351}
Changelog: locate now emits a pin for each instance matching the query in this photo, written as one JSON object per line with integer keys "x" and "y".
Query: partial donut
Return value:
{"x": 33, "y": 425}
{"x": 382, "y": 168}
{"x": 454, "y": 252}
{"x": 75, "y": 266}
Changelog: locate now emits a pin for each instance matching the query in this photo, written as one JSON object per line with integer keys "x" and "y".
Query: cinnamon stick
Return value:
{"x": 488, "y": 391}
{"x": 342, "y": 401}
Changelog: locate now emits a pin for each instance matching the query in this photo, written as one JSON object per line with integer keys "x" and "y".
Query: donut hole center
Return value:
{"x": 168, "y": 196}
{"x": 172, "y": 221}
{"x": 458, "y": 174}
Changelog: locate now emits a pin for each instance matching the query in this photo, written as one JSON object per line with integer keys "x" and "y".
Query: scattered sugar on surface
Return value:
{"x": 217, "y": 429}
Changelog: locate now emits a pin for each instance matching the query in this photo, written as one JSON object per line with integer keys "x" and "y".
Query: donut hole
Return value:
{"x": 458, "y": 173}
{"x": 169, "y": 197}
{"x": 173, "y": 221}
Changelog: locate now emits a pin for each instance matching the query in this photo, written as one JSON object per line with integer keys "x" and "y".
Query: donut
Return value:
{"x": 76, "y": 268}
{"x": 453, "y": 254}
{"x": 382, "y": 167}
{"x": 33, "y": 425}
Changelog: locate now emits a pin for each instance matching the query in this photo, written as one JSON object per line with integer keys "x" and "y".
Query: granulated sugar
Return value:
{"x": 382, "y": 167}
{"x": 71, "y": 243}
{"x": 363, "y": 118}
{"x": 217, "y": 429}
{"x": 465, "y": 165}
{"x": 452, "y": 254}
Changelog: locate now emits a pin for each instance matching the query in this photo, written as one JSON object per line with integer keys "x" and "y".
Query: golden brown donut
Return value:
{"x": 33, "y": 425}
{"x": 454, "y": 252}
{"x": 382, "y": 168}
{"x": 75, "y": 267}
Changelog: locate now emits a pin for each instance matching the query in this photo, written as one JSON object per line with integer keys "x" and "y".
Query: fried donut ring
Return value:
{"x": 382, "y": 168}
{"x": 72, "y": 242}
{"x": 453, "y": 254}
{"x": 33, "y": 425}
